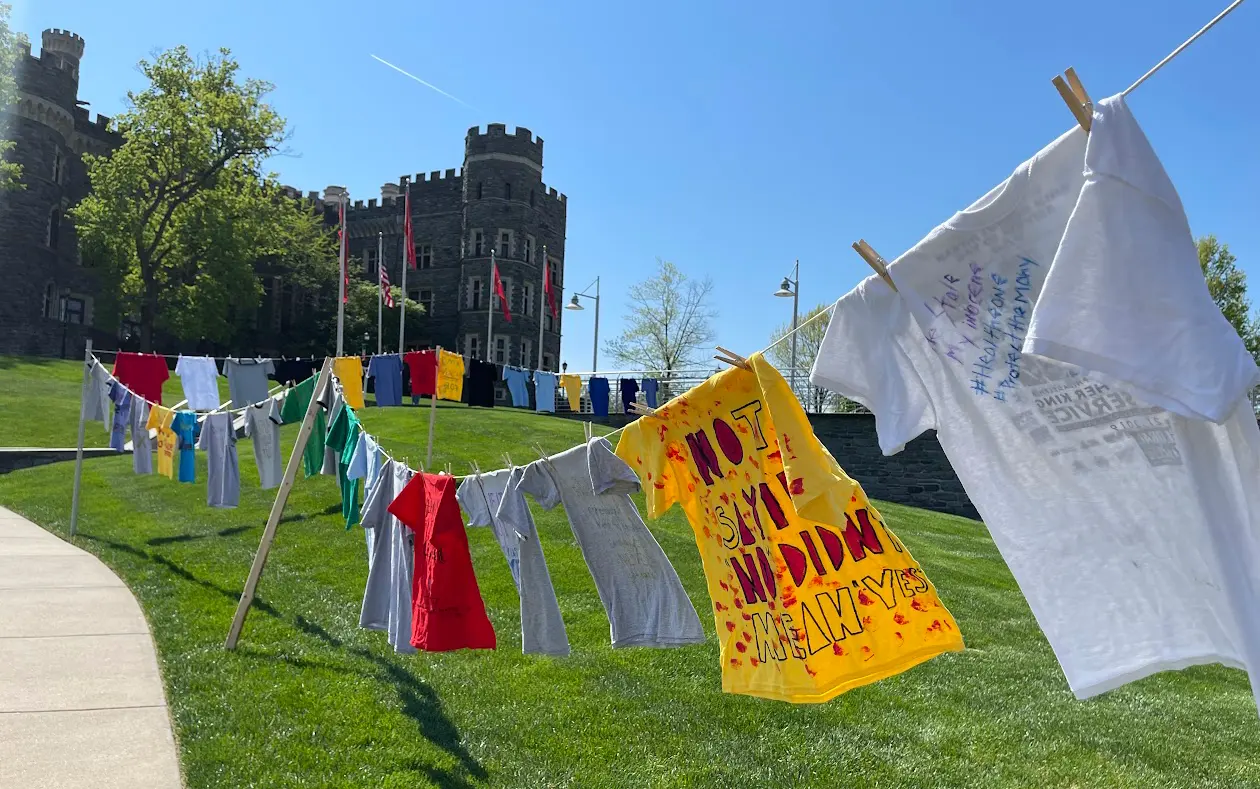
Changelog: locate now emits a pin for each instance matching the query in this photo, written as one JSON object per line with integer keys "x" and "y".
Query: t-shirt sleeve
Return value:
{"x": 358, "y": 460}
{"x": 1125, "y": 294}
{"x": 204, "y": 436}
{"x": 408, "y": 505}
{"x": 373, "y": 366}
{"x": 647, "y": 455}
{"x": 473, "y": 502}
{"x": 862, "y": 359}
{"x": 269, "y": 367}
{"x": 817, "y": 485}
{"x": 374, "y": 507}
{"x": 537, "y": 481}
{"x": 249, "y": 421}
{"x": 609, "y": 473}
{"x": 273, "y": 411}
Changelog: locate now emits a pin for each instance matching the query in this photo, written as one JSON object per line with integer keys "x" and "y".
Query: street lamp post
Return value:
{"x": 574, "y": 304}
{"x": 792, "y": 287}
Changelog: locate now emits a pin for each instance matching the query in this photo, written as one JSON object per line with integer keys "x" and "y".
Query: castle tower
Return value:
{"x": 47, "y": 304}
{"x": 508, "y": 208}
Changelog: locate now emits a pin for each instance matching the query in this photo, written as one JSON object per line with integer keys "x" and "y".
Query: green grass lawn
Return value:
{"x": 310, "y": 700}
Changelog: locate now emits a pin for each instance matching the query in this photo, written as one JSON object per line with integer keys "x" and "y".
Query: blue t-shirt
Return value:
{"x": 649, "y": 391}
{"x": 185, "y": 426}
{"x": 598, "y": 388}
{"x": 545, "y": 390}
{"x": 516, "y": 382}
{"x": 121, "y": 396}
{"x": 387, "y": 372}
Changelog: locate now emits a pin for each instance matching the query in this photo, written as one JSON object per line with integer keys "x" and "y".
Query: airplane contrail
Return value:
{"x": 429, "y": 85}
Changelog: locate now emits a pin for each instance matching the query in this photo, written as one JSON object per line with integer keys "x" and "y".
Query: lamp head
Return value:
{"x": 785, "y": 289}
{"x": 574, "y": 304}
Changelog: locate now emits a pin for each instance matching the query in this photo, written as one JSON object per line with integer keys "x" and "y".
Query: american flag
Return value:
{"x": 385, "y": 292}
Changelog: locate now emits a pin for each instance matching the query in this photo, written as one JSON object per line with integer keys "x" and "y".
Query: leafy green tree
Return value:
{"x": 361, "y": 318}
{"x": 181, "y": 213}
{"x": 809, "y": 338}
{"x": 1228, "y": 286}
{"x": 669, "y": 322}
{"x": 10, "y": 172}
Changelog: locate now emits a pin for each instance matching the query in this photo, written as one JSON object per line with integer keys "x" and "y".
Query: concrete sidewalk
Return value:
{"x": 81, "y": 701}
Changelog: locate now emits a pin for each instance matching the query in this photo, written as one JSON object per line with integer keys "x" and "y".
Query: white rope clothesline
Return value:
{"x": 137, "y": 396}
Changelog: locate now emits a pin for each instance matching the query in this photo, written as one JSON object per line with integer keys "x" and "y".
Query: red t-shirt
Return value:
{"x": 142, "y": 373}
{"x": 447, "y": 609}
{"x": 424, "y": 367}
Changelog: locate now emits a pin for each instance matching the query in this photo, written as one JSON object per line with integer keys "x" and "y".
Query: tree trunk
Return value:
{"x": 148, "y": 317}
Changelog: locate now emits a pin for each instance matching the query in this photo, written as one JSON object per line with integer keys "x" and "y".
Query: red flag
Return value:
{"x": 498, "y": 289}
{"x": 409, "y": 242}
{"x": 551, "y": 294}
{"x": 342, "y": 250}
{"x": 389, "y": 297}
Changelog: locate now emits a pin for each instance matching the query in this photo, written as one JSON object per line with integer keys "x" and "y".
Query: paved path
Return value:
{"x": 81, "y": 701}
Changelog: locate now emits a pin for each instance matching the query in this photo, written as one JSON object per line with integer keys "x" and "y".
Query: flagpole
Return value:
{"x": 407, "y": 248}
{"x": 341, "y": 278}
{"x": 542, "y": 307}
{"x": 490, "y": 307}
{"x": 380, "y": 290}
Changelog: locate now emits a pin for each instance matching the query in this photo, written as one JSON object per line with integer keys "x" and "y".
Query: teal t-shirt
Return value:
{"x": 185, "y": 426}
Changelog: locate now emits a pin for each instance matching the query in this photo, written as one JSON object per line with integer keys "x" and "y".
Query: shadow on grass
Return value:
{"x": 9, "y": 362}
{"x": 419, "y": 701}
{"x": 190, "y": 537}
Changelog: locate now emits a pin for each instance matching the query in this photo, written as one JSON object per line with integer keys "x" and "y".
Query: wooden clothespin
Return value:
{"x": 1074, "y": 95}
{"x": 472, "y": 464}
{"x": 641, "y": 409}
{"x": 587, "y": 429}
{"x": 874, "y": 260}
{"x": 542, "y": 453}
{"x": 507, "y": 459}
{"x": 448, "y": 470}
{"x": 732, "y": 358}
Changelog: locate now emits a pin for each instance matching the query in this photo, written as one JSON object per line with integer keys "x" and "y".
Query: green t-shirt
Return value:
{"x": 343, "y": 435}
{"x": 295, "y": 404}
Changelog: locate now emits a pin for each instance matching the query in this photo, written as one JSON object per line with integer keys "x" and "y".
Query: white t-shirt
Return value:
{"x": 1095, "y": 497}
{"x": 503, "y": 508}
{"x": 646, "y": 603}
{"x": 262, "y": 423}
{"x": 200, "y": 379}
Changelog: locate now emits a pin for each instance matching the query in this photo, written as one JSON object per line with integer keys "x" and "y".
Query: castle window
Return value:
{"x": 547, "y": 363}
{"x": 526, "y": 358}
{"x": 507, "y": 191}
{"x": 478, "y": 243}
{"x": 58, "y": 166}
{"x": 54, "y": 228}
{"x": 555, "y": 273}
{"x": 549, "y": 322}
{"x": 529, "y": 300}
{"x": 424, "y": 256}
{"x": 472, "y": 346}
{"x": 425, "y": 297}
{"x": 531, "y": 198}
{"x": 529, "y": 249}
{"x": 479, "y": 190}
{"x": 473, "y": 301}
{"x": 50, "y": 301}
{"x": 369, "y": 261}
{"x": 500, "y": 350}
{"x": 72, "y": 310}
{"x": 505, "y": 243}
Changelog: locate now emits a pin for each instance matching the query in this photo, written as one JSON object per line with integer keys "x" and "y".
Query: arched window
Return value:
{"x": 59, "y": 166}
{"x": 54, "y": 227}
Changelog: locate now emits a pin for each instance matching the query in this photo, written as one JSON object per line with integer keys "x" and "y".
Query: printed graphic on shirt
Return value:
{"x": 450, "y": 383}
{"x": 812, "y": 593}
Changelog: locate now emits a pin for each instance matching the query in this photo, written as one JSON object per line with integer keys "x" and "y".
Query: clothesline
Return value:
{"x": 137, "y": 396}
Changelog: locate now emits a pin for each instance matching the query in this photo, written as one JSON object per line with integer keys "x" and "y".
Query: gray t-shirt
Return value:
{"x": 247, "y": 380}
{"x": 387, "y": 594}
{"x": 223, "y": 476}
{"x": 262, "y": 423}
{"x": 96, "y": 398}
{"x": 496, "y": 500}
{"x": 141, "y": 444}
{"x": 645, "y": 601}
{"x": 331, "y": 399}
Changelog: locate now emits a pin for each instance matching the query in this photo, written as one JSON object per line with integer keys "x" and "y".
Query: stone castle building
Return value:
{"x": 46, "y": 301}
{"x": 497, "y": 201}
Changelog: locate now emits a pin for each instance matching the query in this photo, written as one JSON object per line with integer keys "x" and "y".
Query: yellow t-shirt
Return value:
{"x": 349, "y": 370}
{"x": 160, "y": 418}
{"x": 573, "y": 390}
{"x": 450, "y": 381}
{"x": 812, "y": 593}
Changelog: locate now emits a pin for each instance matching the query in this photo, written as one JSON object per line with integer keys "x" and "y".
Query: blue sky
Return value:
{"x": 730, "y": 138}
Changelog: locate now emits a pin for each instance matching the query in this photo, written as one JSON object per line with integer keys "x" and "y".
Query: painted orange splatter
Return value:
{"x": 863, "y": 599}
{"x": 788, "y": 601}
{"x": 916, "y": 605}
{"x": 672, "y": 453}
{"x": 747, "y": 636}
{"x": 798, "y": 487}
{"x": 659, "y": 485}
{"x": 707, "y": 533}
{"x": 736, "y": 662}
{"x": 739, "y": 603}
{"x": 730, "y": 626}
{"x": 898, "y": 635}
{"x": 754, "y": 463}
{"x": 719, "y": 607}
{"x": 935, "y": 626}
{"x": 754, "y": 661}
{"x": 663, "y": 430}
{"x": 867, "y": 621}
{"x": 747, "y": 617}
{"x": 724, "y": 585}
{"x": 775, "y": 455}
{"x": 741, "y": 646}
{"x": 899, "y": 619}
{"x": 837, "y": 650}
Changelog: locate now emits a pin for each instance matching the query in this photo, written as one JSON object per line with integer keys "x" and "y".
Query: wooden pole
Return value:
{"x": 428, "y": 454}
{"x": 277, "y": 509}
{"x": 78, "y": 455}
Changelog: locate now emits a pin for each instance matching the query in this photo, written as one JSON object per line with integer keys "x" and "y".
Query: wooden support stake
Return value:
{"x": 78, "y": 455}
{"x": 428, "y": 453}
{"x": 277, "y": 509}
